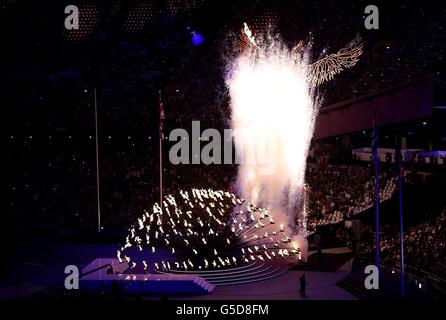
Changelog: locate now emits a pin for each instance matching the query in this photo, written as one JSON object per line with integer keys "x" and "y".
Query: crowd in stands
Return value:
{"x": 424, "y": 245}
{"x": 398, "y": 58}
{"x": 338, "y": 192}
{"x": 129, "y": 68}
{"x": 60, "y": 182}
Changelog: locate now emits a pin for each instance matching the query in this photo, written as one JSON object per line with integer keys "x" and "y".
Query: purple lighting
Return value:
{"x": 197, "y": 38}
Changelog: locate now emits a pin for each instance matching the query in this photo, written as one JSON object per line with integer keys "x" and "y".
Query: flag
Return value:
{"x": 161, "y": 120}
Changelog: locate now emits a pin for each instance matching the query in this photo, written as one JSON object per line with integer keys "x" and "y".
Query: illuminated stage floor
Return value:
{"x": 321, "y": 286}
{"x": 40, "y": 264}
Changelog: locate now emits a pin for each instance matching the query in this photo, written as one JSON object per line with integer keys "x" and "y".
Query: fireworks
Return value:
{"x": 273, "y": 113}
{"x": 320, "y": 71}
{"x": 274, "y": 108}
{"x": 326, "y": 68}
{"x": 204, "y": 229}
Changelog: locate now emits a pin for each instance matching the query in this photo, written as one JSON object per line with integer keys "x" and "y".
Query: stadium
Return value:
{"x": 204, "y": 150}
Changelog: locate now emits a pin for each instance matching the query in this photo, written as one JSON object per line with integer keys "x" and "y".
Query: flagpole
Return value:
{"x": 161, "y": 156}
{"x": 400, "y": 198}
{"x": 376, "y": 158}
{"x": 97, "y": 161}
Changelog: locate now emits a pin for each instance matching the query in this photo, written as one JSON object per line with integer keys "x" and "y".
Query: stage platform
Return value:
{"x": 96, "y": 277}
{"x": 249, "y": 273}
{"x": 39, "y": 265}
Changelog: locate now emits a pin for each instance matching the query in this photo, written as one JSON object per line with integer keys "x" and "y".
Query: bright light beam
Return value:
{"x": 273, "y": 115}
